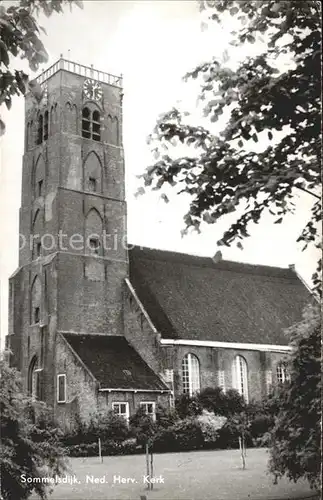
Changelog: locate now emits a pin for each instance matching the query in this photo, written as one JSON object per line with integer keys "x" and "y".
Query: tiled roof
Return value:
{"x": 191, "y": 297}
{"x": 113, "y": 362}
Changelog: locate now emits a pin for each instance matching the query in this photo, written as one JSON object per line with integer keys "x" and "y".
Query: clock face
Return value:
{"x": 92, "y": 90}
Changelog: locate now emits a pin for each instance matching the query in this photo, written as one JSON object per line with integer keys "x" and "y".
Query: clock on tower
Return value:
{"x": 92, "y": 89}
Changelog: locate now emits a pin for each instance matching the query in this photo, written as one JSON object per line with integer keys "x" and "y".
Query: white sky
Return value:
{"x": 153, "y": 44}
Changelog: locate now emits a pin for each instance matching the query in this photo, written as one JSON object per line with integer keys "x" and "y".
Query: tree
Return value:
{"x": 295, "y": 440}
{"x": 272, "y": 98}
{"x": 20, "y": 37}
{"x": 30, "y": 442}
{"x": 145, "y": 430}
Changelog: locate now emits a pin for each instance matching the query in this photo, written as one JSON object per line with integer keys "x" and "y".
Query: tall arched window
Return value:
{"x": 34, "y": 379}
{"x": 91, "y": 124}
{"x": 282, "y": 373}
{"x": 96, "y": 126}
{"x": 240, "y": 377}
{"x": 46, "y": 119}
{"x": 40, "y": 129}
{"x": 190, "y": 374}
{"x": 35, "y": 297}
{"x": 93, "y": 233}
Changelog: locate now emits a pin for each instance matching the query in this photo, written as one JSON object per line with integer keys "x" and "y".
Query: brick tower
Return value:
{"x": 72, "y": 258}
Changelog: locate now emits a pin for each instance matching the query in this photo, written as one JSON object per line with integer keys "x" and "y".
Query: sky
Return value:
{"x": 152, "y": 44}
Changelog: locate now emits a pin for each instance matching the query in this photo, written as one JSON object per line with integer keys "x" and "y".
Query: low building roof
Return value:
{"x": 114, "y": 362}
{"x": 192, "y": 297}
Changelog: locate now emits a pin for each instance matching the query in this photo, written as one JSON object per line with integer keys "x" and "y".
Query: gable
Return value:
{"x": 191, "y": 297}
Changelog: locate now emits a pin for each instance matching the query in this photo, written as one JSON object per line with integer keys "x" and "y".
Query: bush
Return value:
{"x": 184, "y": 435}
{"x": 210, "y": 425}
{"x": 295, "y": 439}
{"x": 166, "y": 417}
{"x": 187, "y": 406}
{"x": 127, "y": 447}
{"x": 104, "y": 425}
{"x": 143, "y": 427}
{"x": 29, "y": 440}
{"x": 108, "y": 426}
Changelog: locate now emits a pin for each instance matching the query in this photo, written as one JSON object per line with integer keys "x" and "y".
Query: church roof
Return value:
{"x": 194, "y": 298}
{"x": 113, "y": 362}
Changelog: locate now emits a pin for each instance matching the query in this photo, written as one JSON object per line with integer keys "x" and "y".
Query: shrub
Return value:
{"x": 187, "y": 406}
{"x": 210, "y": 425}
{"x": 127, "y": 447}
{"x": 29, "y": 440}
{"x": 295, "y": 440}
{"x": 184, "y": 435}
{"x": 166, "y": 417}
{"x": 108, "y": 426}
{"x": 104, "y": 425}
{"x": 212, "y": 399}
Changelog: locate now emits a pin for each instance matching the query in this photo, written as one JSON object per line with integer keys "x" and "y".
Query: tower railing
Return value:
{"x": 80, "y": 69}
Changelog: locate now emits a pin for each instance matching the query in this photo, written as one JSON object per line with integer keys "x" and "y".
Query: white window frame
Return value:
{"x": 191, "y": 378}
{"x": 153, "y": 403}
{"x": 59, "y": 376}
{"x": 122, "y": 415}
{"x": 240, "y": 376}
{"x": 221, "y": 379}
{"x": 282, "y": 374}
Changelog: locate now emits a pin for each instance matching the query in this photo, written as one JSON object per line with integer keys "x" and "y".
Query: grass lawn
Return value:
{"x": 201, "y": 475}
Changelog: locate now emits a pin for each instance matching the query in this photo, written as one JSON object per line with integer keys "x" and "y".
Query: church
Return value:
{"x": 96, "y": 323}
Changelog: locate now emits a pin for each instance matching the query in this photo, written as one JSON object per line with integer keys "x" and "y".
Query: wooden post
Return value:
{"x": 100, "y": 453}
{"x": 242, "y": 453}
{"x": 147, "y": 464}
{"x": 151, "y": 466}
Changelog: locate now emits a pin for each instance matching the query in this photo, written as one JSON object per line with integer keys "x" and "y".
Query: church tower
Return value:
{"x": 72, "y": 257}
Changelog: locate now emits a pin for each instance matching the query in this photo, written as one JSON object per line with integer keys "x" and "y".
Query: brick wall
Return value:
{"x": 81, "y": 388}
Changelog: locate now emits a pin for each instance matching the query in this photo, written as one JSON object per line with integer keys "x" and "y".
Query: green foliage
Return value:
{"x": 111, "y": 448}
{"x": 107, "y": 426}
{"x": 295, "y": 439}
{"x": 165, "y": 417}
{"x": 211, "y": 399}
{"x": 214, "y": 399}
{"x": 20, "y": 37}
{"x": 143, "y": 427}
{"x": 210, "y": 425}
{"x": 30, "y": 443}
{"x": 187, "y": 406}
{"x": 275, "y": 91}
{"x": 184, "y": 435}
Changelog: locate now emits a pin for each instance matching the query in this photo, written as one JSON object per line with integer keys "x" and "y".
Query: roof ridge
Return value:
{"x": 147, "y": 252}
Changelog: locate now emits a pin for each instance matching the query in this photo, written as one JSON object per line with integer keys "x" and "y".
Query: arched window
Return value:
{"x": 96, "y": 126}
{"x": 93, "y": 233}
{"x": 46, "y": 118}
{"x": 190, "y": 374}
{"x": 38, "y": 177}
{"x": 40, "y": 130}
{"x": 92, "y": 173}
{"x": 240, "y": 377}
{"x": 53, "y": 119}
{"x": 34, "y": 379}
{"x": 282, "y": 373}
{"x": 35, "y": 301}
{"x": 91, "y": 124}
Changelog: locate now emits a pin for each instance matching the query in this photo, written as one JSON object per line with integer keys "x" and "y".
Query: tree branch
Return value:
{"x": 309, "y": 192}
